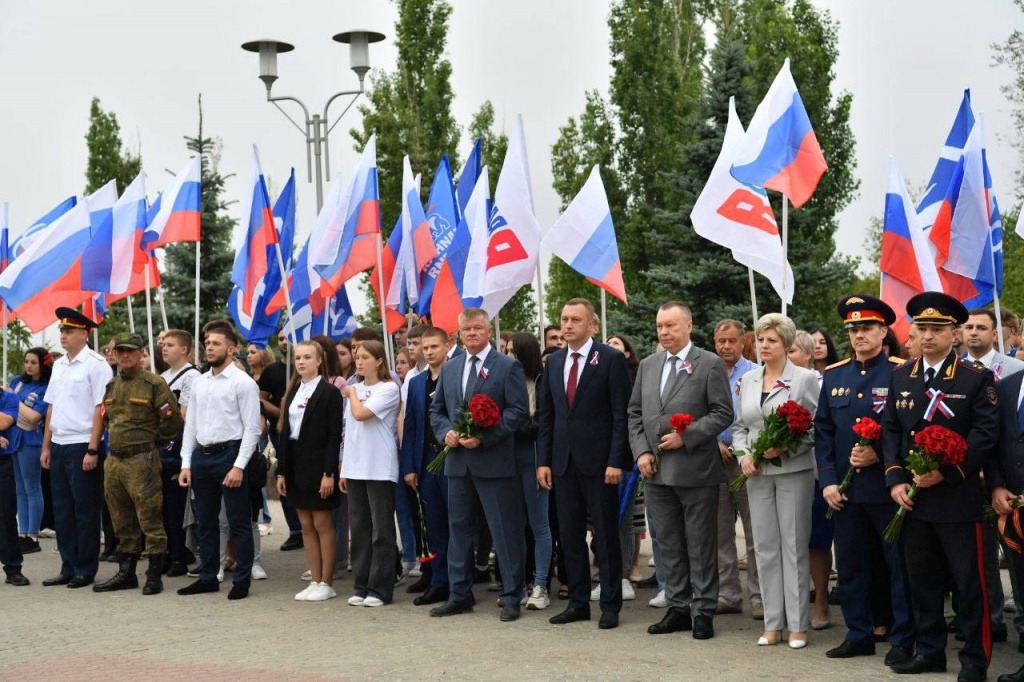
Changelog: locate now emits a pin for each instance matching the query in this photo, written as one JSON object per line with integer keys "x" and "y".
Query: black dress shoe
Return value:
{"x": 79, "y": 581}
{"x": 1013, "y": 677}
{"x": 293, "y": 542}
{"x": 920, "y": 664}
{"x": 17, "y": 579}
{"x": 421, "y": 585}
{"x": 850, "y": 649}
{"x": 238, "y": 591}
{"x": 649, "y": 582}
{"x": 509, "y": 613}
{"x": 451, "y": 608}
{"x": 29, "y": 545}
{"x": 999, "y": 635}
{"x": 970, "y": 673}
{"x": 676, "y": 620}
{"x": 432, "y": 595}
{"x": 570, "y": 615}
{"x": 58, "y": 580}
{"x": 1020, "y": 646}
{"x": 108, "y": 555}
{"x": 177, "y": 569}
{"x": 609, "y": 620}
{"x": 898, "y": 654}
{"x": 481, "y": 577}
{"x": 200, "y": 587}
{"x": 703, "y": 628}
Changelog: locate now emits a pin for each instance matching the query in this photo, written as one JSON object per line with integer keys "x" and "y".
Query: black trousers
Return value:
{"x": 10, "y": 550}
{"x": 578, "y": 494}
{"x": 938, "y": 554}
{"x": 175, "y": 499}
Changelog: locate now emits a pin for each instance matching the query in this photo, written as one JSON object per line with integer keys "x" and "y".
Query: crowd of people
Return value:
{"x": 491, "y": 460}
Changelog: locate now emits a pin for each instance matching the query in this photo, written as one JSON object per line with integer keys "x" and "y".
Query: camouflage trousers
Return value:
{"x": 134, "y": 493}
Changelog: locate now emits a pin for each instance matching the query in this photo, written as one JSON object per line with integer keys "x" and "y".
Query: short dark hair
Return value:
{"x": 552, "y": 327}
{"x": 987, "y": 312}
{"x": 366, "y": 334}
{"x": 222, "y": 327}
{"x": 417, "y": 331}
{"x": 434, "y": 333}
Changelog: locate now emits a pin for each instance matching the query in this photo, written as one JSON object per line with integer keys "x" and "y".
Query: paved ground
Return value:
{"x": 59, "y": 634}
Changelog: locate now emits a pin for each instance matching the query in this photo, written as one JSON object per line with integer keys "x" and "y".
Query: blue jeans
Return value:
{"x": 77, "y": 505}
{"x": 208, "y": 472}
{"x": 28, "y": 478}
{"x": 537, "y": 516}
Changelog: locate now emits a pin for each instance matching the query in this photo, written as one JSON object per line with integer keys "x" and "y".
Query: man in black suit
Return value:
{"x": 581, "y": 410}
{"x": 942, "y": 531}
{"x": 1004, "y": 476}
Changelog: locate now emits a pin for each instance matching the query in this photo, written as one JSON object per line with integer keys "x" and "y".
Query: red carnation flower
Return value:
{"x": 679, "y": 421}
{"x": 869, "y": 430}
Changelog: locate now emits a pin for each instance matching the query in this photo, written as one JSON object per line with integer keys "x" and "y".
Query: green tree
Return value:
{"x": 216, "y": 256}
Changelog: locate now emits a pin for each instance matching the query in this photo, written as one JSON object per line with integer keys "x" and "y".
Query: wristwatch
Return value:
{"x": 329, "y": 474}
{"x": 93, "y": 451}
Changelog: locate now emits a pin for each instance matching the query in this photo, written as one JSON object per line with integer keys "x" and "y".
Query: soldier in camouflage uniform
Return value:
{"x": 141, "y": 414}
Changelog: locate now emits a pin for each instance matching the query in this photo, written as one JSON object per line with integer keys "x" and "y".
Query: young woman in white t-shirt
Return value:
{"x": 369, "y": 471}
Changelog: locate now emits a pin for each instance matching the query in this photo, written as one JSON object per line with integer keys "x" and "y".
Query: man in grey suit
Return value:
{"x": 683, "y": 472}
{"x": 980, "y": 334}
{"x": 484, "y": 466}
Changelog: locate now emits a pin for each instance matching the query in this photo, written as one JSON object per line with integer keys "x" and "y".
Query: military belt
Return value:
{"x": 132, "y": 450}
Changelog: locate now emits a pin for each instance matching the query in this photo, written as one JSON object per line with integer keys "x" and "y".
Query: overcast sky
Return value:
{"x": 905, "y": 66}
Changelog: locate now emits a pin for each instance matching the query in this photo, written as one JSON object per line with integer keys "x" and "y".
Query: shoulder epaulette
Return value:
{"x": 897, "y": 361}
{"x": 906, "y": 364}
{"x": 970, "y": 366}
{"x": 839, "y": 364}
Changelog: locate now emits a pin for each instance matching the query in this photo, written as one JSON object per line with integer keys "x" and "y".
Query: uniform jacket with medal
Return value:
{"x": 967, "y": 403}
{"x": 852, "y": 391}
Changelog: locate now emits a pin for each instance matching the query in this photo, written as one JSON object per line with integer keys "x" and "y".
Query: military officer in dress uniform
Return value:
{"x": 853, "y": 390}
{"x": 141, "y": 414}
{"x": 942, "y": 530}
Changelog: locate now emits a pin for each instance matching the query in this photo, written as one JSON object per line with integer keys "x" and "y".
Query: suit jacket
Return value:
{"x": 971, "y": 396}
{"x": 801, "y": 386}
{"x": 319, "y": 438}
{"x": 504, "y": 383}
{"x": 592, "y": 433}
{"x": 1006, "y": 468}
{"x": 1003, "y": 366}
{"x": 702, "y": 393}
{"x": 415, "y": 427}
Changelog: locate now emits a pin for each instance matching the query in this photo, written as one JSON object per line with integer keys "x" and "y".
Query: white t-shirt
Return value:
{"x": 371, "y": 453}
{"x": 183, "y": 383}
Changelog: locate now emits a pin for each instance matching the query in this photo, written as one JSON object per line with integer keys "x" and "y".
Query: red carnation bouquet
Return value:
{"x": 937, "y": 447}
{"x": 784, "y": 428}
{"x": 678, "y": 422}
{"x": 870, "y": 432}
{"x": 481, "y": 412}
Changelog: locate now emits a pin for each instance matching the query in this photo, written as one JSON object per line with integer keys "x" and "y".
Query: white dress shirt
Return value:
{"x": 584, "y": 352}
{"x": 680, "y": 357}
{"x": 985, "y": 359}
{"x": 482, "y": 355}
{"x": 409, "y": 376}
{"x": 298, "y": 406}
{"x": 926, "y": 366}
{"x": 76, "y": 387}
{"x": 223, "y": 407}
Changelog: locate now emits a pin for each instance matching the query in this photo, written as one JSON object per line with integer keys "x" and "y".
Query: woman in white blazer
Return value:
{"x": 780, "y": 497}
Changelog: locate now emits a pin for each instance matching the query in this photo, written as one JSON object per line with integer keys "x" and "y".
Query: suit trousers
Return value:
{"x": 208, "y": 472}
{"x": 434, "y": 493}
{"x": 10, "y": 550}
{"x": 505, "y": 514}
{"x": 175, "y": 499}
{"x": 859, "y": 545}
{"x": 730, "y": 592}
{"x": 687, "y": 522}
{"x": 371, "y": 508}
{"x": 77, "y": 504}
{"x": 578, "y": 494}
{"x": 780, "y": 517}
{"x": 937, "y": 555}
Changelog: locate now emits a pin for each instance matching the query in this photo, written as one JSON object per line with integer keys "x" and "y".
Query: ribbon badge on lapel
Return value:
{"x": 685, "y": 366}
{"x": 484, "y": 373}
{"x": 783, "y": 383}
{"x": 878, "y": 403}
{"x": 937, "y": 402}
{"x": 593, "y": 360}
{"x": 997, "y": 369}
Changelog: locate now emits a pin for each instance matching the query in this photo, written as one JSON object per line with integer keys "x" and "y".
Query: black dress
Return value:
{"x": 304, "y": 461}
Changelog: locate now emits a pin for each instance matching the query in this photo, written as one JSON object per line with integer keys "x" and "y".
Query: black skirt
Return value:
{"x": 302, "y": 475}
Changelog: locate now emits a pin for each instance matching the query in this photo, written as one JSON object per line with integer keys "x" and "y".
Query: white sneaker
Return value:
{"x": 595, "y": 594}
{"x": 258, "y": 573}
{"x": 414, "y": 570}
{"x": 306, "y": 593}
{"x": 47, "y": 533}
{"x": 628, "y": 593}
{"x": 650, "y": 562}
{"x": 372, "y": 601}
{"x": 356, "y": 600}
{"x": 266, "y": 529}
{"x": 319, "y": 592}
{"x": 538, "y": 600}
{"x": 329, "y": 590}
{"x": 659, "y": 602}
{"x": 220, "y": 575}
{"x": 308, "y": 575}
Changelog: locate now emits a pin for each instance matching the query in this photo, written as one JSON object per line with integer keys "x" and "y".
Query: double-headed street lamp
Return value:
{"x": 316, "y": 129}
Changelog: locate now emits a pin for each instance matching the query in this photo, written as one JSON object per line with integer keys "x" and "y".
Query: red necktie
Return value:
{"x": 570, "y": 388}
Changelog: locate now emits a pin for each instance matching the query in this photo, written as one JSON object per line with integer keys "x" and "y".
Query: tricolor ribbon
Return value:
{"x": 878, "y": 403}
{"x": 685, "y": 366}
{"x": 997, "y": 369}
{"x": 484, "y": 373}
{"x": 937, "y": 402}
{"x": 782, "y": 383}
{"x": 593, "y": 360}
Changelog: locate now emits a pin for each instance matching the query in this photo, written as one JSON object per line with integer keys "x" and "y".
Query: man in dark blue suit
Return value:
{"x": 582, "y": 442}
{"x": 484, "y": 466}
{"x": 1004, "y": 476}
{"x": 419, "y": 448}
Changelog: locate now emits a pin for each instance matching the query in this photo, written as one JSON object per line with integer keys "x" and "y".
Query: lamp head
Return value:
{"x": 268, "y": 50}
{"x": 359, "y": 49}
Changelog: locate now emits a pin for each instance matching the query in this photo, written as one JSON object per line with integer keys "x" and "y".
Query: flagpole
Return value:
{"x": 289, "y": 323}
{"x": 753, "y": 295}
{"x": 497, "y": 330}
{"x": 163, "y": 310}
{"x": 604, "y": 316}
{"x": 785, "y": 250}
{"x": 5, "y": 344}
{"x": 95, "y": 337}
{"x": 380, "y": 301}
{"x": 198, "y": 243}
{"x": 131, "y": 316}
{"x": 995, "y": 285}
{"x": 540, "y": 301}
{"x": 149, "y": 320}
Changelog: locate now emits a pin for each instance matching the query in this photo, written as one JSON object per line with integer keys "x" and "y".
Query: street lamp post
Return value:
{"x": 316, "y": 129}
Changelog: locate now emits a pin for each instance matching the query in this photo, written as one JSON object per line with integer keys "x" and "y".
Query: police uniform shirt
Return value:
{"x": 298, "y": 405}
{"x": 76, "y": 388}
{"x": 224, "y": 407}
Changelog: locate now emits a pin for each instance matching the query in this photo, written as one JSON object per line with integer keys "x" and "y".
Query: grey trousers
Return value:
{"x": 371, "y": 514}
{"x": 686, "y": 519}
{"x": 780, "y": 514}
{"x": 730, "y": 592}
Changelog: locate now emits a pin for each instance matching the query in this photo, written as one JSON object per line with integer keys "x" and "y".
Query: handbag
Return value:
{"x": 257, "y": 469}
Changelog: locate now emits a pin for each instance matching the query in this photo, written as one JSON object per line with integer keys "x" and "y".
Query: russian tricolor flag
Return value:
{"x": 780, "y": 151}
{"x": 33, "y": 231}
{"x": 176, "y": 215}
{"x": 394, "y": 282}
{"x": 584, "y": 237}
{"x": 113, "y": 253}
{"x": 251, "y": 255}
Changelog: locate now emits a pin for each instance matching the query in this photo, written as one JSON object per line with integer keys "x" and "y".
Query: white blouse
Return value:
{"x": 298, "y": 406}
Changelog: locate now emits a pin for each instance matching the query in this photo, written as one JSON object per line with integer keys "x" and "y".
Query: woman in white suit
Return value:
{"x": 780, "y": 497}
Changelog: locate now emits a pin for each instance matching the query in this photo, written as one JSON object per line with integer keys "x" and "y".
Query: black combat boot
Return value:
{"x": 154, "y": 584}
{"x": 124, "y": 579}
